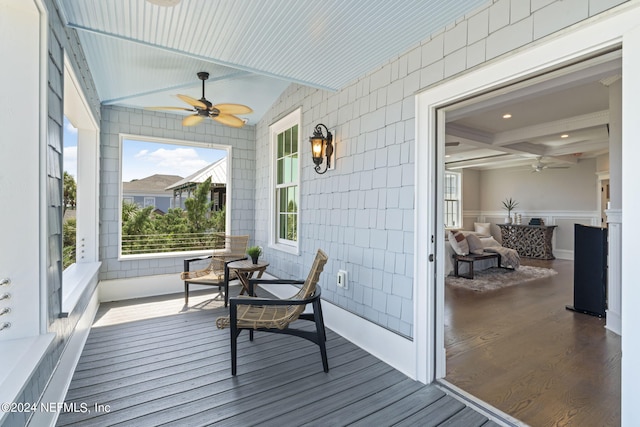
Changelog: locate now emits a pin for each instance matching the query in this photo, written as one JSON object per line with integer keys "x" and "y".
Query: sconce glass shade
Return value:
{"x": 317, "y": 148}
{"x": 321, "y": 147}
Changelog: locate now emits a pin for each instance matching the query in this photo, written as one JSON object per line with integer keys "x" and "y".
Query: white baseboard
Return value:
{"x": 614, "y": 322}
{"x": 56, "y": 389}
{"x": 146, "y": 286}
{"x": 563, "y": 254}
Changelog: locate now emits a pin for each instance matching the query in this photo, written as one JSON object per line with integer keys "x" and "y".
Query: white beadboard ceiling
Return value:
{"x": 142, "y": 55}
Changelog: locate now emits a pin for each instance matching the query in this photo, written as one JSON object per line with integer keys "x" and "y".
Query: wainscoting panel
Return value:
{"x": 564, "y": 220}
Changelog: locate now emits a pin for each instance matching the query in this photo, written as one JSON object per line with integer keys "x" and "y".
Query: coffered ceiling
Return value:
{"x": 562, "y": 117}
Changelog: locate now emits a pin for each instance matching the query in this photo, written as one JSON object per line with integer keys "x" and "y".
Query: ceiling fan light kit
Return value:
{"x": 539, "y": 166}
{"x": 222, "y": 113}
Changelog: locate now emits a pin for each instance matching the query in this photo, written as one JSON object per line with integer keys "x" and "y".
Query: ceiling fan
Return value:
{"x": 222, "y": 113}
{"x": 539, "y": 165}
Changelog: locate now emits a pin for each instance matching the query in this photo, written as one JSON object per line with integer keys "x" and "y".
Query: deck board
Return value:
{"x": 156, "y": 362}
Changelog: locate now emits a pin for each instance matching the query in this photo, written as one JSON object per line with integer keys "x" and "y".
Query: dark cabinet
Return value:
{"x": 590, "y": 270}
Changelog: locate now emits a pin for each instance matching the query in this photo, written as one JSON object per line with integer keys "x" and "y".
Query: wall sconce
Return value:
{"x": 321, "y": 147}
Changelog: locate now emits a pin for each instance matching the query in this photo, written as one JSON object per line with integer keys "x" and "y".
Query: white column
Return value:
{"x": 630, "y": 211}
{"x": 614, "y": 213}
{"x": 614, "y": 291}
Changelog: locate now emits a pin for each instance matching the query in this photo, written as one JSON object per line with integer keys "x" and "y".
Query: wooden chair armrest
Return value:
{"x": 200, "y": 258}
{"x": 254, "y": 282}
{"x": 269, "y": 301}
{"x": 277, "y": 281}
{"x": 227, "y": 260}
{"x": 187, "y": 262}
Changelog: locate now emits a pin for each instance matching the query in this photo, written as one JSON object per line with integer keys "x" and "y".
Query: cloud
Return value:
{"x": 70, "y": 160}
{"x": 178, "y": 161}
{"x": 69, "y": 127}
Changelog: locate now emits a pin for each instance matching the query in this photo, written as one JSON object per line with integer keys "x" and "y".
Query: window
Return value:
{"x": 173, "y": 196}
{"x": 81, "y": 160}
{"x": 69, "y": 189}
{"x": 285, "y": 137}
{"x": 452, "y": 199}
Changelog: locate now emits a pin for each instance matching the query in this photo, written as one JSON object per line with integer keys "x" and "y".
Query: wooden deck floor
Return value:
{"x": 151, "y": 362}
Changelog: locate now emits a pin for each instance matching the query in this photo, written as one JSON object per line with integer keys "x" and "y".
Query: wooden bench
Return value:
{"x": 469, "y": 260}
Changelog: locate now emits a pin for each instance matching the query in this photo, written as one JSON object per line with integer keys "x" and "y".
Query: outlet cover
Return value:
{"x": 342, "y": 279}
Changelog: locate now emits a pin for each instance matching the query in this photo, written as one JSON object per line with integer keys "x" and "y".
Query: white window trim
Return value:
{"x": 78, "y": 276}
{"x": 292, "y": 119}
{"x": 458, "y": 197}
{"x": 228, "y": 205}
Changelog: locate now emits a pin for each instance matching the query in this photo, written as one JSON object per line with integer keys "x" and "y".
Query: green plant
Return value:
{"x": 254, "y": 251}
{"x": 509, "y": 204}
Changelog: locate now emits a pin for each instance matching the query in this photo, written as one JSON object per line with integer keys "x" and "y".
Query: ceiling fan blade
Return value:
{"x": 193, "y": 102}
{"x": 233, "y": 109}
{"x": 168, "y": 108}
{"x": 192, "y": 120}
{"x": 229, "y": 120}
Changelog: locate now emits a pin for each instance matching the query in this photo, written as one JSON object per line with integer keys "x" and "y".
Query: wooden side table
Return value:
{"x": 531, "y": 241}
{"x": 245, "y": 269}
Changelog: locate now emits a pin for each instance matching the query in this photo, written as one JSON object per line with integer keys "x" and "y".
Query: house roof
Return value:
{"x": 154, "y": 184}
{"x": 217, "y": 171}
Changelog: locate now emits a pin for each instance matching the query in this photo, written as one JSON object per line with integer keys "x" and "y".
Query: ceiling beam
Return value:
{"x": 557, "y": 127}
{"x": 191, "y": 84}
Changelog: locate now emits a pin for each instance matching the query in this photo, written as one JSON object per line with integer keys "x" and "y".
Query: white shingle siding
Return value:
{"x": 117, "y": 120}
{"x": 367, "y": 225}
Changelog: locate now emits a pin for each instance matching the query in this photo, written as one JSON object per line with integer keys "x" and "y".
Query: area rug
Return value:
{"x": 497, "y": 278}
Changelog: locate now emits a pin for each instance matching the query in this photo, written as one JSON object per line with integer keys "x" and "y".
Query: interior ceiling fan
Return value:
{"x": 222, "y": 113}
{"x": 539, "y": 165}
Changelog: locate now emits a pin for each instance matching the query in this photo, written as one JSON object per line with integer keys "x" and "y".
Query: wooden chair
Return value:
{"x": 275, "y": 315}
{"x": 226, "y": 249}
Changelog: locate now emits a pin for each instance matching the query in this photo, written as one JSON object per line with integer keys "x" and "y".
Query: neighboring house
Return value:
{"x": 184, "y": 188}
{"x": 151, "y": 191}
{"x": 374, "y": 213}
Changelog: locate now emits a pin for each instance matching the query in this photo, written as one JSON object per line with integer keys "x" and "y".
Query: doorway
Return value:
{"x": 432, "y": 107}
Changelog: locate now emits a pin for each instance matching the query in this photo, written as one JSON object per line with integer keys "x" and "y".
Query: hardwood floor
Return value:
{"x": 520, "y": 350}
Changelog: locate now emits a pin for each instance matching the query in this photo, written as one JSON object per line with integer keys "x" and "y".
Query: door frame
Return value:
{"x": 584, "y": 40}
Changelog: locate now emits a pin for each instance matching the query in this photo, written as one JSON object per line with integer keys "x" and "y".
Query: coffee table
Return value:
{"x": 245, "y": 269}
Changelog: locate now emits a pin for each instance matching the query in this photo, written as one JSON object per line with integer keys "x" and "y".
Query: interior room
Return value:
{"x": 337, "y": 121}
{"x": 544, "y": 145}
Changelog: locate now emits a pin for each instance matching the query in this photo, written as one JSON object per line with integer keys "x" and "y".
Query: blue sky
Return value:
{"x": 70, "y": 152}
{"x": 142, "y": 159}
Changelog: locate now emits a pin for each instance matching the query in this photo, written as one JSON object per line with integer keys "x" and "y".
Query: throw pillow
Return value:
{"x": 475, "y": 245}
{"x": 482, "y": 228}
{"x": 458, "y": 242}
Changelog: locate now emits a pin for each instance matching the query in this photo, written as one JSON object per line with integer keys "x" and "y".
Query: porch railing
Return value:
{"x": 173, "y": 242}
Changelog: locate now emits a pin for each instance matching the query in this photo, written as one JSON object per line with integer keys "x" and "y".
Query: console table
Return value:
{"x": 531, "y": 241}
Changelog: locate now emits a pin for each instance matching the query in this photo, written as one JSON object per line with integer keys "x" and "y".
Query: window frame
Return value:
{"x": 169, "y": 141}
{"x": 75, "y": 278}
{"x": 458, "y": 199}
{"x": 290, "y": 120}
